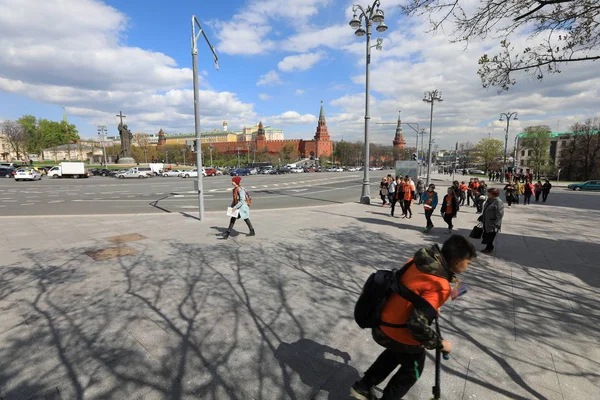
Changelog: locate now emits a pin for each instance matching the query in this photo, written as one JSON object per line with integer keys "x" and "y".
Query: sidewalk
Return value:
{"x": 175, "y": 312}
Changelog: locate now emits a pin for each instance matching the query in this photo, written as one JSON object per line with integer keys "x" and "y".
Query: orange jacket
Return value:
{"x": 434, "y": 289}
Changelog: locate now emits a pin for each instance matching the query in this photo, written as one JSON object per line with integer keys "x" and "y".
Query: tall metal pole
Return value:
{"x": 422, "y": 152}
{"x": 508, "y": 115}
{"x": 515, "y": 154}
{"x": 429, "y": 151}
{"x": 365, "y": 197}
{"x": 199, "y": 187}
{"x": 102, "y": 132}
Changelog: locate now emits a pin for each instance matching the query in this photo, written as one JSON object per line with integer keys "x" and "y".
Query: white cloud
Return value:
{"x": 299, "y": 92}
{"x": 270, "y": 78}
{"x": 300, "y": 62}
{"x": 292, "y": 118}
{"x": 264, "y": 97}
{"x": 335, "y": 37}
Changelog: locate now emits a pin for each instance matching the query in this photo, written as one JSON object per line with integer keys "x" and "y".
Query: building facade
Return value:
{"x": 7, "y": 152}
{"x": 558, "y": 141}
{"x": 83, "y": 151}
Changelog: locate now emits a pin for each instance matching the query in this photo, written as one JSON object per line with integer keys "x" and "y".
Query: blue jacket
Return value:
{"x": 241, "y": 204}
{"x": 434, "y": 200}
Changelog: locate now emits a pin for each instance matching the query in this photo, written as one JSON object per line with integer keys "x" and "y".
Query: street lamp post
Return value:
{"x": 508, "y": 115}
{"x": 515, "y": 153}
{"x": 210, "y": 149}
{"x": 367, "y": 16}
{"x": 431, "y": 97}
{"x": 195, "y": 36}
{"x": 102, "y": 132}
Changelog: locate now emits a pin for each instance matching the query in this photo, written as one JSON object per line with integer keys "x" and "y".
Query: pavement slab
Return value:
{"x": 189, "y": 315}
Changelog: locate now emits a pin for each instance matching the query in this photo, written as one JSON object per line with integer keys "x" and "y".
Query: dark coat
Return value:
{"x": 493, "y": 212}
{"x": 454, "y": 205}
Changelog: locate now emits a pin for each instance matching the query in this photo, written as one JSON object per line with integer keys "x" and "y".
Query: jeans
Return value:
{"x": 411, "y": 367}
{"x": 428, "y": 214}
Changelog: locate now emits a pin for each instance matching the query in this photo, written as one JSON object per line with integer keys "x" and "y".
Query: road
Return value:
{"x": 104, "y": 195}
{"x": 99, "y": 195}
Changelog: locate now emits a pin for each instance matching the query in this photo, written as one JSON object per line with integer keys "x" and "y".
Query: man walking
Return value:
{"x": 429, "y": 273}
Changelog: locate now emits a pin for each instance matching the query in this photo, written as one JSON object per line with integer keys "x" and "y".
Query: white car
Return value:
{"x": 352, "y": 169}
{"x": 297, "y": 170}
{"x": 132, "y": 173}
{"x": 192, "y": 173}
{"x": 173, "y": 172}
{"x": 27, "y": 174}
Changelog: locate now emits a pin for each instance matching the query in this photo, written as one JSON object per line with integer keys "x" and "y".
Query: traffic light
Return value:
{"x": 414, "y": 156}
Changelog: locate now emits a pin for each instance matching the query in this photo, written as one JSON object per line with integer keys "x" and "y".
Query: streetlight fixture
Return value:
{"x": 508, "y": 115}
{"x": 210, "y": 149}
{"x": 366, "y": 16}
{"x": 431, "y": 97}
{"x": 195, "y": 37}
{"x": 102, "y": 132}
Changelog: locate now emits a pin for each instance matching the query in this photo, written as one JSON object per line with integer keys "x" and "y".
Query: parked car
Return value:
{"x": 101, "y": 172}
{"x": 253, "y": 171}
{"x": 297, "y": 170}
{"x": 173, "y": 172}
{"x": 240, "y": 172}
{"x": 309, "y": 169}
{"x": 589, "y": 185}
{"x": 27, "y": 174}
{"x": 283, "y": 170}
{"x": 193, "y": 173}
{"x": 132, "y": 173}
{"x": 210, "y": 171}
{"x": 476, "y": 172}
{"x": 7, "y": 172}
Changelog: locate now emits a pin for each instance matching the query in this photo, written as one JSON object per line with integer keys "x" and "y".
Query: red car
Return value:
{"x": 210, "y": 171}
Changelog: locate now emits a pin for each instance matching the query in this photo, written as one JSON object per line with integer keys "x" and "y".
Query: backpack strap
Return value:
{"x": 416, "y": 300}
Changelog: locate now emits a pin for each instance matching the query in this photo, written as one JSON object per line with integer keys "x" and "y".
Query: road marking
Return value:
{"x": 9, "y": 201}
{"x": 177, "y": 195}
{"x": 55, "y": 201}
{"x": 275, "y": 185}
{"x": 26, "y": 204}
{"x": 297, "y": 190}
{"x": 212, "y": 190}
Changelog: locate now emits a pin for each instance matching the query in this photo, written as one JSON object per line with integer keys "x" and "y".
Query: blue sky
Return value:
{"x": 278, "y": 60}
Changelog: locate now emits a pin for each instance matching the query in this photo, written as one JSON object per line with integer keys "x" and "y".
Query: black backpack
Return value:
{"x": 376, "y": 291}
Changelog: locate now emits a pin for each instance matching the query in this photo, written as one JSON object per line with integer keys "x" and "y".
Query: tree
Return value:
{"x": 34, "y": 140}
{"x": 537, "y": 139}
{"x": 560, "y": 32}
{"x": 488, "y": 151}
{"x": 16, "y": 136}
{"x": 142, "y": 140}
{"x": 581, "y": 156}
{"x": 289, "y": 151}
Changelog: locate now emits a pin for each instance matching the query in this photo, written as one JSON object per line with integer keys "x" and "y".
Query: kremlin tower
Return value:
{"x": 399, "y": 141}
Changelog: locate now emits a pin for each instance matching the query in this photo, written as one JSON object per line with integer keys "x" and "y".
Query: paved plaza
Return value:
{"x": 159, "y": 307}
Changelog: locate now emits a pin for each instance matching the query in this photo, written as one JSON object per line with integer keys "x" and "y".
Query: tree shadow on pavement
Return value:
{"x": 267, "y": 320}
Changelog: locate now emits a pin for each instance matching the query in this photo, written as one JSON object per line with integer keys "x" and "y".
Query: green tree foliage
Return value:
{"x": 488, "y": 151}
{"x": 560, "y": 32}
{"x": 44, "y": 133}
{"x": 537, "y": 139}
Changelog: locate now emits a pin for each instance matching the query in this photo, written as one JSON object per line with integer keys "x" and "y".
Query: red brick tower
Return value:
{"x": 399, "y": 141}
{"x": 161, "y": 138}
{"x": 261, "y": 138}
{"x": 323, "y": 144}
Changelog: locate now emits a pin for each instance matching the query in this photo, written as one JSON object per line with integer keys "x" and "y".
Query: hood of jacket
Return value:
{"x": 431, "y": 261}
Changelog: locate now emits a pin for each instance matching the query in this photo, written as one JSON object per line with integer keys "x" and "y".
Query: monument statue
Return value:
{"x": 126, "y": 138}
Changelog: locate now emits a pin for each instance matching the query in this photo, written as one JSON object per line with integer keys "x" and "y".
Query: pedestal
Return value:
{"x": 126, "y": 160}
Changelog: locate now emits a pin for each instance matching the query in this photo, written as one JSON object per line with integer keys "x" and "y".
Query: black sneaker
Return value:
{"x": 360, "y": 391}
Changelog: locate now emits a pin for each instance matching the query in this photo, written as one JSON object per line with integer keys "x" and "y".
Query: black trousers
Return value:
{"x": 411, "y": 367}
{"x": 448, "y": 220}
{"x": 545, "y": 195}
{"x": 393, "y": 204}
{"x": 428, "y": 214}
{"x": 527, "y": 198}
{"x": 509, "y": 200}
{"x": 488, "y": 240}
{"x": 470, "y": 197}
{"x": 537, "y": 196}
{"x": 406, "y": 207}
{"x": 232, "y": 223}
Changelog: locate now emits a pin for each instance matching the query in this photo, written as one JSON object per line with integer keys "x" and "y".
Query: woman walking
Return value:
{"x": 391, "y": 192}
{"x": 449, "y": 208}
{"x": 492, "y": 215}
{"x": 509, "y": 191}
{"x": 430, "y": 202}
{"x": 239, "y": 203}
{"x": 537, "y": 189}
{"x": 408, "y": 198}
{"x": 527, "y": 193}
{"x": 420, "y": 189}
{"x": 383, "y": 190}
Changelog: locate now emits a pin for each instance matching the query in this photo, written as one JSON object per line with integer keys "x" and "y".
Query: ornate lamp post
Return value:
{"x": 431, "y": 97}
{"x": 509, "y": 115}
{"x": 367, "y": 16}
{"x": 102, "y": 133}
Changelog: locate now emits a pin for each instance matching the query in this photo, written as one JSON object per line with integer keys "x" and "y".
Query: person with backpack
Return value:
{"x": 241, "y": 201}
{"x": 429, "y": 273}
{"x": 383, "y": 190}
{"x": 449, "y": 208}
{"x": 430, "y": 201}
{"x": 537, "y": 190}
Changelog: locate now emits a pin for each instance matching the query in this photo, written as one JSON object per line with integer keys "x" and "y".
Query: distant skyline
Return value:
{"x": 277, "y": 61}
